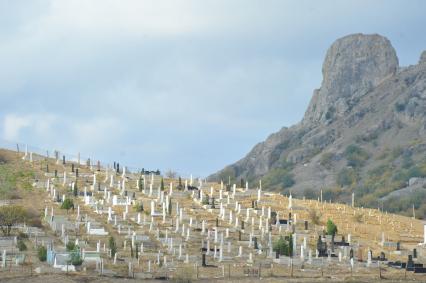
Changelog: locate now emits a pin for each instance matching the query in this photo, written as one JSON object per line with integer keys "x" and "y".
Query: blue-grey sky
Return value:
{"x": 185, "y": 85}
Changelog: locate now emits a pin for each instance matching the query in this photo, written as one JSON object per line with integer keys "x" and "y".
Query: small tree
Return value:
{"x": 112, "y": 246}
{"x": 42, "y": 253}
{"x": 9, "y": 216}
{"x": 284, "y": 245}
{"x": 331, "y": 228}
{"x": 139, "y": 207}
{"x": 67, "y": 204}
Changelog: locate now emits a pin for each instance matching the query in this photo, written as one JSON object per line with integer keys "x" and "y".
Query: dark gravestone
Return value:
{"x": 213, "y": 205}
{"x": 239, "y": 235}
{"x": 47, "y": 168}
{"x": 118, "y": 167}
{"x": 289, "y": 216}
{"x": 56, "y": 173}
{"x": 321, "y": 247}
{"x": 203, "y": 263}
{"x": 252, "y": 204}
{"x": 398, "y": 246}
{"x": 242, "y": 225}
{"x": 306, "y": 225}
{"x": 76, "y": 172}
{"x": 125, "y": 193}
{"x": 351, "y": 253}
{"x": 72, "y": 167}
{"x": 277, "y": 254}
{"x": 410, "y": 263}
{"x": 273, "y": 217}
{"x": 255, "y": 243}
{"x": 217, "y": 222}
{"x": 115, "y": 166}
{"x": 63, "y": 159}
{"x": 134, "y": 195}
{"x": 414, "y": 253}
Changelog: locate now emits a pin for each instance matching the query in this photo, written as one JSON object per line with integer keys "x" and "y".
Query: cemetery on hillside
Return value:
{"x": 107, "y": 220}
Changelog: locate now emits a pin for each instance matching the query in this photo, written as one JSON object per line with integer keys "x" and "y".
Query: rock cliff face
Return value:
{"x": 366, "y": 104}
{"x": 353, "y": 66}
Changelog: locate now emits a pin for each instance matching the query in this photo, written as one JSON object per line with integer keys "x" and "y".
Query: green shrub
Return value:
{"x": 139, "y": 207}
{"x": 67, "y": 204}
{"x": 76, "y": 259}
{"x": 284, "y": 245}
{"x": 326, "y": 159}
{"x": 70, "y": 246}
{"x": 346, "y": 177}
{"x": 331, "y": 228}
{"x": 287, "y": 180}
{"x": 356, "y": 156}
{"x": 42, "y": 253}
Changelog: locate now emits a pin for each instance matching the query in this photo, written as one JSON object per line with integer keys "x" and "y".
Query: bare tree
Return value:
{"x": 170, "y": 174}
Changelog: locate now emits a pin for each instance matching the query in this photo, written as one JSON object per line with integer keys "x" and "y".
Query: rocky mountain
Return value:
{"x": 364, "y": 130}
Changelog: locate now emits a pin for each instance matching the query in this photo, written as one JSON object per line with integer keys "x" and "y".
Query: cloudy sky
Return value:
{"x": 183, "y": 85}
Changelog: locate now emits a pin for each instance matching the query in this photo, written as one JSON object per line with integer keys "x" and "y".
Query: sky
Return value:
{"x": 189, "y": 86}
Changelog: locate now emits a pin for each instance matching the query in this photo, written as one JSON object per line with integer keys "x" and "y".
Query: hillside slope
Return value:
{"x": 364, "y": 131}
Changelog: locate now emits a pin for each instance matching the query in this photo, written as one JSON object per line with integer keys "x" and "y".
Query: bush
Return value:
{"x": 42, "y": 253}
{"x": 314, "y": 216}
{"x": 21, "y": 245}
{"x": 76, "y": 259}
{"x": 356, "y": 156}
{"x": 139, "y": 207}
{"x": 70, "y": 246}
